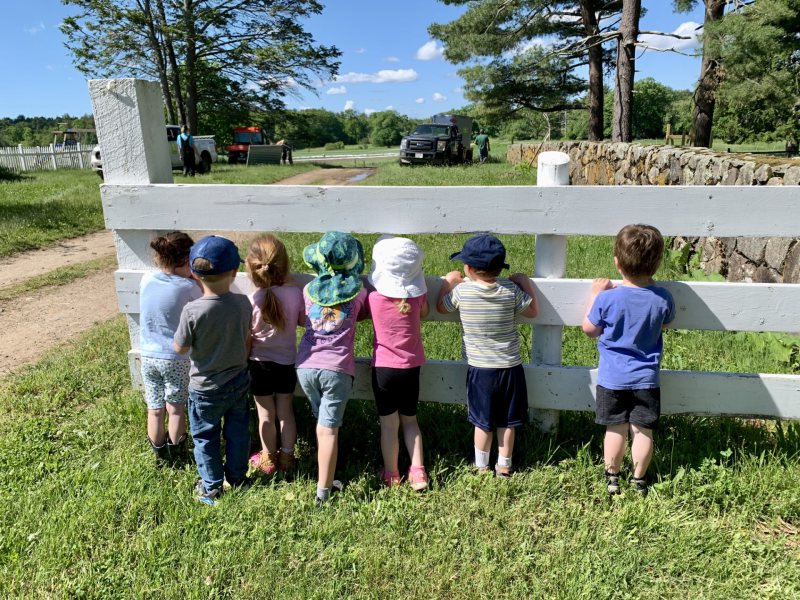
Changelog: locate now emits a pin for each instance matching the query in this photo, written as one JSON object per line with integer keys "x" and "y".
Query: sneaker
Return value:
{"x": 205, "y": 496}
{"x": 503, "y": 472}
{"x": 336, "y": 486}
{"x": 286, "y": 461}
{"x": 476, "y": 470}
{"x": 612, "y": 483}
{"x": 389, "y": 478}
{"x": 264, "y": 462}
{"x": 640, "y": 485}
{"x": 417, "y": 478}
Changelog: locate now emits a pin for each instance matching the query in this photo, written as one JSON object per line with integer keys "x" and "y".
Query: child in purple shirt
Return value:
{"x": 627, "y": 320}
{"x": 334, "y": 301}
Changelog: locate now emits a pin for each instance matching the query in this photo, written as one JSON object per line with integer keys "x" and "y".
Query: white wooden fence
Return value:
{"x": 45, "y": 158}
{"x": 140, "y": 201}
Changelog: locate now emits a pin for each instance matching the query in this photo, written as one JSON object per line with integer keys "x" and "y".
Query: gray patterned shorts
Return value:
{"x": 165, "y": 380}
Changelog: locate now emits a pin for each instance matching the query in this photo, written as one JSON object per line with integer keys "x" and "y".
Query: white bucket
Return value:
{"x": 552, "y": 169}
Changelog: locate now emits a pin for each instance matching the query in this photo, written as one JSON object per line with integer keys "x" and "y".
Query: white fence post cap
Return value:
{"x": 552, "y": 169}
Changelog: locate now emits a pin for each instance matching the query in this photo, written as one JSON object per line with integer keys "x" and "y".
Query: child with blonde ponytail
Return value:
{"x": 277, "y": 309}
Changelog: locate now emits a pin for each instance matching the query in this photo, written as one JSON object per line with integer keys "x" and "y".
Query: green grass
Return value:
{"x": 86, "y": 515}
{"x": 60, "y": 276}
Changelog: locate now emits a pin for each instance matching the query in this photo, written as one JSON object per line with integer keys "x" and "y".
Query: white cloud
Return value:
{"x": 392, "y": 59}
{"x": 50, "y": 67}
{"x": 35, "y": 29}
{"x": 430, "y": 51}
{"x": 419, "y": 100}
{"x": 361, "y": 51}
{"x": 661, "y": 42}
{"x": 390, "y": 107}
{"x": 458, "y": 90}
{"x": 383, "y": 76}
{"x": 437, "y": 97}
{"x": 337, "y": 90}
{"x": 349, "y": 105}
{"x": 369, "y": 111}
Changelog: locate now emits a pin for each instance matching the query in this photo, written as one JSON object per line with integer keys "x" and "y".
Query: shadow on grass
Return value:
{"x": 7, "y": 175}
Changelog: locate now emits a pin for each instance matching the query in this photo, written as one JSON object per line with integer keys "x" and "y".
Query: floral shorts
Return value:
{"x": 165, "y": 380}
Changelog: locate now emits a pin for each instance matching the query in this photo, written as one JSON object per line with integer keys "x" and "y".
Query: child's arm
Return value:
{"x": 451, "y": 280}
{"x": 424, "y": 309}
{"x": 598, "y": 285}
{"x": 526, "y": 285}
{"x": 180, "y": 349}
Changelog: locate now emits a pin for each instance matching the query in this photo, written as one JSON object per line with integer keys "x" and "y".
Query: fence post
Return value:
{"x": 129, "y": 117}
{"x": 22, "y": 158}
{"x": 549, "y": 261}
{"x": 53, "y": 156}
{"x": 80, "y": 155}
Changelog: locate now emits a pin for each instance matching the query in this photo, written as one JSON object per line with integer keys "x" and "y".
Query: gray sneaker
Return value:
{"x": 612, "y": 483}
{"x": 205, "y": 496}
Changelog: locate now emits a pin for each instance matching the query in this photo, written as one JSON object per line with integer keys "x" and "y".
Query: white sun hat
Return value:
{"x": 397, "y": 268}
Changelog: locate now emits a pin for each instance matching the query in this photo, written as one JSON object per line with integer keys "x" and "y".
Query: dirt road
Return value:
{"x": 35, "y": 322}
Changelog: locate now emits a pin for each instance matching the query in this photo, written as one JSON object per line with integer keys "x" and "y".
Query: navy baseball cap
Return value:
{"x": 484, "y": 252}
{"x": 219, "y": 251}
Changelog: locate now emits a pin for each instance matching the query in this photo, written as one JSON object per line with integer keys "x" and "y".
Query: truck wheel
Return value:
{"x": 469, "y": 156}
{"x": 232, "y": 159}
{"x": 206, "y": 159}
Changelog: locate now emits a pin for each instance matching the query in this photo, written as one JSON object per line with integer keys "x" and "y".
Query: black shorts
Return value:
{"x": 637, "y": 407}
{"x": 497, "y": 397}
{"x": 268, "y": 378}
{"x": 396, "y": 390}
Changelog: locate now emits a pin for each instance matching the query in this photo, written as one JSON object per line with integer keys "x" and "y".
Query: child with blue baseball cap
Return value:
{"x": 215, "y": 329}
{"x": 497, "y": 396}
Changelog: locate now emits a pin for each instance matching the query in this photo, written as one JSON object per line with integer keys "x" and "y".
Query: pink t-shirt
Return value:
{"x": 269, "y": 343}
{"x": 330, "y": 334}
{"x": 397, "y": 343}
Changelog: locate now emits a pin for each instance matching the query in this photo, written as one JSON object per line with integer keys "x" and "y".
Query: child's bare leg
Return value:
{"x": 327, "y": 448}
{"x": 265, "y": 405}
{"x": 176, "y": 421}
{"x": 413, "y": 439}
{"x": 641, "y": 450}
{"x": 505, "y": 441}
{"x": 614, "y": 446}
{"x": 390, "y": 445}
{"x": 286, "y": 420}
{"x": 155, "y": 425}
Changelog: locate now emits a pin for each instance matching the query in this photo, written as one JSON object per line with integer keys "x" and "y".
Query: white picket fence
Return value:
{"x": 45, "y": 158}
{"x": 140, "y": 201}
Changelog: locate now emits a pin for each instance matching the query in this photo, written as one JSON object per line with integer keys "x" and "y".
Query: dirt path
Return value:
{"x": 25, "y": 265}
{"x": 34, "y": 323}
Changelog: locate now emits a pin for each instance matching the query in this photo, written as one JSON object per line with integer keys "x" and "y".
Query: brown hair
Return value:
{"x": 268, "y": 265}
{"x": 172, "y": 249}
{"x": 639, "y": 250}
{"x": 403, "y": 306}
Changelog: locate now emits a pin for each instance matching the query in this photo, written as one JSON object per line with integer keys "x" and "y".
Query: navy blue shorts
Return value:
{"x": 637, "y": 407}
{"x": 268, "y": 378}
{"x": 497, "y": 397}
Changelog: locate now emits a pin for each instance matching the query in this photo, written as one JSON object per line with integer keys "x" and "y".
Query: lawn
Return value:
{"x": 86, "y": 515}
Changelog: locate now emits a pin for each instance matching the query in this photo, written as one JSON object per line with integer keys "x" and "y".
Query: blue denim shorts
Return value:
{"x": 165, "y": 380}
{"x": 328, "y": 393}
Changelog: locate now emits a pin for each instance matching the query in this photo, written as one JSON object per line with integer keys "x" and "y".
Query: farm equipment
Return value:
{"x": 252, "y": 146}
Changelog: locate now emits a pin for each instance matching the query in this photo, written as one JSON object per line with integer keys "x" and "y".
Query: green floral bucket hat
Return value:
{"x": 338, "y": 260}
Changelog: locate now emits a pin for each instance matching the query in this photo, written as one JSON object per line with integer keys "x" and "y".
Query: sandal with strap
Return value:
{"x": 612, "y": 483}
{"x": 640, "y": 485}
{"x": 264, "y": 462}
{"x": 417, "y": 478}
{"x": 389, "y": 478}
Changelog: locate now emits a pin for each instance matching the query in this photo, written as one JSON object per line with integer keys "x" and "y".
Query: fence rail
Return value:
{"x": 136, "y": 208}
{"x": 45, "y": 158}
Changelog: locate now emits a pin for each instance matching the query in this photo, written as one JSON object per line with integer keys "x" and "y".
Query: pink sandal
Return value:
{"x": 418, "y": 478}
{"x": 263, "y": 462}
{"x": 389, "y": 478}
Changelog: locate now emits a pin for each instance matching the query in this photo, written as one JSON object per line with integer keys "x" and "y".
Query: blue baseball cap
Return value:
{"x": 219, "y": 251}
{"x": 484, "y": 252}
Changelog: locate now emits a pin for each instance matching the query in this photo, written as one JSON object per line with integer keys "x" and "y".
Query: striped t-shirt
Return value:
{"x": 487, "y": 312}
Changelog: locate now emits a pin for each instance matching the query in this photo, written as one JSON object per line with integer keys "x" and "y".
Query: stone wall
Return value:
{"x": 737, "y": 259}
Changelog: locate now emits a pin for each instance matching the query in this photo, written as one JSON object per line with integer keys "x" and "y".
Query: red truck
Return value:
{"x": 269, "y": 152}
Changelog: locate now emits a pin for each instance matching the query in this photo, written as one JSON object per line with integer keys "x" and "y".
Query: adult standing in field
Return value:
{"x": 482, "y": 141}
{"x": 186, "y": 150}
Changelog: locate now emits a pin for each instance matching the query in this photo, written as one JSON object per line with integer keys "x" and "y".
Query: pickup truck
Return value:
{"x": 205, "y": 152}
{"x": 445, "y": 139}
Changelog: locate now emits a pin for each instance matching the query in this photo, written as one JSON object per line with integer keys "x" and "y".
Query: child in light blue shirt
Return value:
{"x": 627, "y": 320}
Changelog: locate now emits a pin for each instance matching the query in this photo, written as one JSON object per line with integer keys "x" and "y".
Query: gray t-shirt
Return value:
{"x": 216, "y": 329}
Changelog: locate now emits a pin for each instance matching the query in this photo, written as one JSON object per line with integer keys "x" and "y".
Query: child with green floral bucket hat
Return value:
{"x": 334, "y": 300}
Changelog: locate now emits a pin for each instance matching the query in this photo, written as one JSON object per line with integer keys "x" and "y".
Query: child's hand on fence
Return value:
{"x": 601, "y": 284}
{"x": 454, "y": 278}
{"x": 520, "y": 279}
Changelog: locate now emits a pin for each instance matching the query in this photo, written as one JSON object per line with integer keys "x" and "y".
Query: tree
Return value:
{"x": 355, "y": 126}
{"x": 387, "y": 128}
{"x": 500, "y": 29}
{"x": 261, "y": 47}
{"x": 651, "y": 108}
{"x": 708, "y": 83}
{"x": 622, "y": 130}
{"x": 758, "y": 49}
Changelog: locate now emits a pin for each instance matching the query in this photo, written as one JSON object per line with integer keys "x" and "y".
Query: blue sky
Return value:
{"x": 388, "y": 59}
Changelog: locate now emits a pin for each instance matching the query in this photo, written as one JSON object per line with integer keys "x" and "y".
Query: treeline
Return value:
{"x": 38, "y": 131}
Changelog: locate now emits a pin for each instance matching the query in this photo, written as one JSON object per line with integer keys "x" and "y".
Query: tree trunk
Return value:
{"x": 156, "y": 47}
{"x": 705, "y": 94}
{"x": 595, "y": 98}
{"x": 626, "y": 56}
{"x": 173, "y": 63}
{"x": 191, "y": 65}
